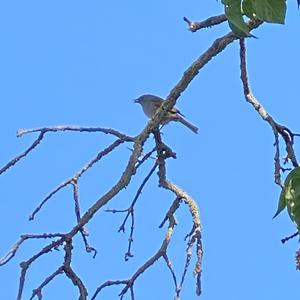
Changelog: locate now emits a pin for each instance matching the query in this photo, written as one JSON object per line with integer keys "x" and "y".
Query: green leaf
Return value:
{"x": 290, "y": 197}
{"x": 238, "y": 31}
{"x": 272, "y": 11}
{"x": 293, "y": 205}
{"x": 281, "y": 203}
{"x": 248, "y": 9}
{"x": 233, "y": 11}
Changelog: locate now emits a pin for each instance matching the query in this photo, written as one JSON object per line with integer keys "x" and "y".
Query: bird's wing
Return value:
{"x": 175, "y": 111}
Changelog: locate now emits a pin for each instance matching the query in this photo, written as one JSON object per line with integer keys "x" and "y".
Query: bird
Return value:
{"x": 151, "y": 103}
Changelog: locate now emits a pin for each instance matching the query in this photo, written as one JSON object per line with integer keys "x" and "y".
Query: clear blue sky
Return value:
{"x": 82, "y": 63}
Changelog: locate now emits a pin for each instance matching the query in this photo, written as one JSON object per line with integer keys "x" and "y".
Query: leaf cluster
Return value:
{"x": 271, "y": 11}
{"x": 290, "y": 197}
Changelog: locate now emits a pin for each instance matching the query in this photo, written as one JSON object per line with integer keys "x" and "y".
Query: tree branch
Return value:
{"x": 283, "y": 131}
{"x": 212, "y": 21}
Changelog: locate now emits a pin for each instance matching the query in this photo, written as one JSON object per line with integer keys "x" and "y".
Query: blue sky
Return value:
{"x": 69, "y": 62}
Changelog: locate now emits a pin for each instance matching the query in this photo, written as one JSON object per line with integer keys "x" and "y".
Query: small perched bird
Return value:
{"x": 150, "y": 104}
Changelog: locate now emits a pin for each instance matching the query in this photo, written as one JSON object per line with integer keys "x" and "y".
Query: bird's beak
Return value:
{"x": 136, "y": 100}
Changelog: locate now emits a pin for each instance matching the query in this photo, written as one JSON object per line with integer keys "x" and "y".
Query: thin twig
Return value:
{"x": 145, "y": 157}
{"x": 286, "y": 239}
{"x": 86, "y": 167}
{"x": 130, "y": 282}
{"x": 175, "y": 205}
{"x": 170, "y": 267}
{"x": 25, "y": 264}
{"x": 83, "y": 231}
{"x": 23, "y": 154}
{"x": 130, "y": 212}
{"x": 38, "y": 291}
{"x": 14, "y": 248}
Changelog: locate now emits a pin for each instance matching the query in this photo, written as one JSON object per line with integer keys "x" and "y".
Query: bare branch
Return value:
{"x": 70, "y": 272}
{"x": 11, "y": 253}
{"x": 25, "y": 264}
{"x": 44, "y": 130}
{"x": 145, "y": 157}
{"x": 130, "y": 282}
{"x": 195, "y": 234}
{"x": 130, "y": 212}
{"x": 77, "y": 175}
{"x": 297, "y": 258}
{"x": 38, "y": 291}
{"x": 114, "y": 132}
{"x": 106, "y": 284}
{"x": 65, "y": 268}
{"x": 163, "y": 152}
{"x": 175, "y": 205}
{"x": 169, "y": 265}
{"x": 23, "y": 154}
{"x": 286, "y": 133}
{"x": 83, "y": 231}
{"x": 212, "y": 21}
{"x": 286, "y": 239}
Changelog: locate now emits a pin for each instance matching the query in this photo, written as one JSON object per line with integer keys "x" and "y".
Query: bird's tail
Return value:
{"x": 187, "y": 124}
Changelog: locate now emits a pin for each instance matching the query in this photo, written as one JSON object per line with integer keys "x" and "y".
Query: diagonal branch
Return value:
{"x": 163, "y": 152}
{"x": 23, "y": 154}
